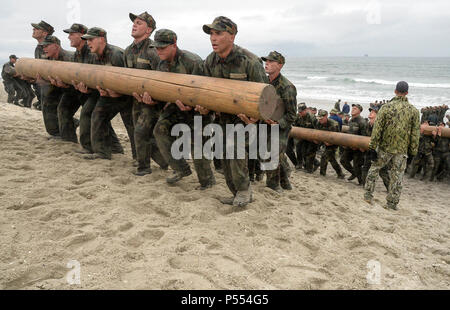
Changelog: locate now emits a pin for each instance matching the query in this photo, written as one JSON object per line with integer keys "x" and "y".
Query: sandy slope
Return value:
{"x": 130, "y": 232}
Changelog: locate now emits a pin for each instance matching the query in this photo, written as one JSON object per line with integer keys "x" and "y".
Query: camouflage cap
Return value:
{"x": 221, "y": 23}
{"x": 13, "y": 56}
{"x": 334, "y": 111}
{"x": 49, "y": 40}
{"x": 358, "y": 106}
{"x": 164, "y": 37}
{"x": 302, "y": 107}
{"x": 44, "y": 26}
{"x": 275, "y": 56}
{"x": 94, "y": 32}
{"x": 375, "y": 108}
{"x": 77, "y": 28}
{"x": 145, "y": 17}
{"x": 322, "y": 114}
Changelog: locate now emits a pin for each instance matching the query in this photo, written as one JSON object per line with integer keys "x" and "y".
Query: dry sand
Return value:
{"x": 138, "y": 233}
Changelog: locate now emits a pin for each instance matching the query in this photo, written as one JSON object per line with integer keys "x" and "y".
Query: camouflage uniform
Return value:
{"x": 143, "y": 56}
{"x": 107, "y": 108}
{"x": 185, "y": 63}
{"x": 330, "y": 151}
{"x": 441, "y": 156}
{"x": 306, "y": 150}
{"x": 424, "y": 157}
{"x": 71, "y": 99}
{"x": 239, "y": 66}
{"x": 40, "y": 54}
{"x": 8, "y": 72}
{"x": 395, "y": 135}
{"x": 368, "y": 161}
{"x": 288, "y": 94}
{"x": 51, "y": 95}
{"x": 357, "y": 127}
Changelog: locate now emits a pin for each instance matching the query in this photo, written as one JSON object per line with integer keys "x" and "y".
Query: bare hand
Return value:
{"x": 247, "y": 120}
{"x": 60, "y": 83}
{"x": 439, "y": 131}
{"x": 201, "y": 110}
{"x": 182, "y": 107}
{"x": 52, "y": 81}
{"x": 82, "y": 88}
{"x": 147, "y": 99}
{"x": 327, "y": 144}
{"x": 137, "y": 97}
{"x": 271, "y": 122}
{"x": 103, "y": 93}
{"x": 113, "y": 94}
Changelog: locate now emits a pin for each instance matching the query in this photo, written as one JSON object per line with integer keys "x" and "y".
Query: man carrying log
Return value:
{"x": 179, "y": 61}
{"x": 395, "y": 136}
{"x": 141, "y": 55}
{"x": 278, "y": 179}
{"x": 327, "y": 124}
{"x": 51, "y": 94}
{"x": 40, "y": 31}
{"x": 110, "y": 103}
{"x": 229, "y": 62}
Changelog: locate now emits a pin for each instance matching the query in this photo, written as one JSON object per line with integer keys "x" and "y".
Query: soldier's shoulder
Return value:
{"x": 243, "y": 52}
{"x": 287, "y": 84}
{"x": 333, "y": 122}
{"x": 210, "y": 58}
{"x": 115, "y": 49}
{"x": 190, "y": 56}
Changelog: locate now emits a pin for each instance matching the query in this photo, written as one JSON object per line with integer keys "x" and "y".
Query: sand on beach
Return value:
{"x": 128, "y": 232}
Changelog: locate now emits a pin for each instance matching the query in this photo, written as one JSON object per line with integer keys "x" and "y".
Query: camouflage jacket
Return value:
{"x": 8, "y": 71}
{"x": 237, "y": 66}
{"x": 307, "y": 121}
{"x": 442, "y": 144}
{"x": 397, "y": 128}
{"x": 112, "y": 56}
{"x": 84, "y": 56}
{"x": 288, "y": 93}
{"x": 39, "y": 52}
{"x": 141, "y": 56}
{"x": 331, "y": 125}
{"x": 426, "y": 144}
{"x": 358, "y": 126}
{"x": 64, "y": 56}
{"x": 184, "y": 63}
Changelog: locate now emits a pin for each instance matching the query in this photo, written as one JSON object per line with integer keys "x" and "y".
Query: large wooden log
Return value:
{"x": 334, "y": 138}
{"x": 428, "y": 131}
{"x": 257, "y": 100}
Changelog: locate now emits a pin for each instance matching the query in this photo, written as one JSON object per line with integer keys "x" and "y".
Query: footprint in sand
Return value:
{"x": 26, "y": 205}
{"x": 34, "y": 275}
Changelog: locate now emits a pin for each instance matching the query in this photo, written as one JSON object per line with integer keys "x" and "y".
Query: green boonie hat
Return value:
{"x": 44, "y": 26}
{"x": 77, "y": 28}
{"x": 275, "y": 56}
{"x": 358, "y": 106}
{"x": 145, "y": 17}
{"x": 221, "y": 23}
{"x": 334, "y": 111}
{"x": 164, "y": 37}
{"x": 13, "y": 56}
{"x": 322, "y": 114}
{"x": 94, "y": 32}
{"x": 50, "y": 40}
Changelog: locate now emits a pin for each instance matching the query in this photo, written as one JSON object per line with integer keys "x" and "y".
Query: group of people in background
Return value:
{"x": 149, "y": 122}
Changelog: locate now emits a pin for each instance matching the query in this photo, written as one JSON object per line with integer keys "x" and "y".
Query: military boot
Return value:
{"x": 243, "y": 198}
{"x": 178, "y": 176}
{"x": 143, "y": 172}
{"x": 286, "y": 184}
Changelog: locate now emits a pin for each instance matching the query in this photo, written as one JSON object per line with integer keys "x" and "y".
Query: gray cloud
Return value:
{"x": 305, "y": 28}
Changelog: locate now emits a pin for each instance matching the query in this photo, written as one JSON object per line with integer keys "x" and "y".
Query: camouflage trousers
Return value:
{"x": 68, "y": 106}
{"x": 281, "y": 174}
{"x": 357, "y": 157}
{"x": 89, "y": 102}
{"x": 397, "y": 166}
{"x": 441, "y": 164}
{"x": 426, "y": 161}
{"x": 9, "y": 89}
{"x": 330, "y": 157}
{"x": 105, "y": 110}
{"x": 51, "y": 97}
{"x": 290, "y": 151}
{"x": 162, "y": 132}
{"x": 145, "y": 118}
{"x": 24, "y": 91}
{"x": 384, "y": 173}
{"x": 309, "y": 152}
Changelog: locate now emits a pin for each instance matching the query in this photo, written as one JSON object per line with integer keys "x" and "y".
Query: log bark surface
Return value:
{"x": 428, "y": 131}
{"x": 334, "y": 138}
{"x": 257, "y": 100}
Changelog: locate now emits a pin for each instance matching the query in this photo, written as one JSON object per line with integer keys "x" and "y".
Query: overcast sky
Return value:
{"x": 295, "y": 28}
